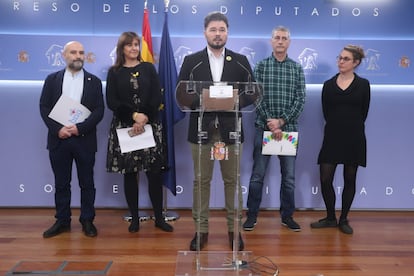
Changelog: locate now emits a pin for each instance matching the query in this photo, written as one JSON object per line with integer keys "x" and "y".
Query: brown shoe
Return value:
{"x": 203, "y": 241}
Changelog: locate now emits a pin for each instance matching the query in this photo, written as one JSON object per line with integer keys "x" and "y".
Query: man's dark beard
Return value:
{"x": 216, "y": 46}
{"x": 75, "y": 66}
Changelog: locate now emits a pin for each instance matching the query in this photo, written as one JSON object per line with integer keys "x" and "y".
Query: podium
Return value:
{"x": 208, "y": 102}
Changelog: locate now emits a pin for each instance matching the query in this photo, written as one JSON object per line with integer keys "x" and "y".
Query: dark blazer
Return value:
{"x": 92, "y": 98}
{"x": 232, "y": 72}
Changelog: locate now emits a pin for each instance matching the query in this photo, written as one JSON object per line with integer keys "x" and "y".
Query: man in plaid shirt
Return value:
{"x": 283, "y": 83}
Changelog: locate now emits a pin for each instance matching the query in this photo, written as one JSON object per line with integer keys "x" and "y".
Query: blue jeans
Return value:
{"x": 287, "y": 186}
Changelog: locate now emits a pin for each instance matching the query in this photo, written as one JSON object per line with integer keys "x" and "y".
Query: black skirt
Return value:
{"x": 149, "y": 159}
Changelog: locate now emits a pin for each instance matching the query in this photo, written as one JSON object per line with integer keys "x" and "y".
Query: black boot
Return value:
{"x": 155, "y": 193}
{"x": 134, "y": 226}
{"x": 203, "y": 241}
{"x": 164, "y": 226}
{"x": 131, "y": 196}
{"x": 231, "y": 240}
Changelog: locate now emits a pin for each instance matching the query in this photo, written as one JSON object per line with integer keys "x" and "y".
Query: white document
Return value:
{"x": 287, "y": 146}
{"x": 68, "y": 111}
{"x": 221, "y": 91}
{"x": 141, "y": 141}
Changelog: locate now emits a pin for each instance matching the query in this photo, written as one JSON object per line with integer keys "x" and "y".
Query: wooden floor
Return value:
{"x": 382, "y": 244}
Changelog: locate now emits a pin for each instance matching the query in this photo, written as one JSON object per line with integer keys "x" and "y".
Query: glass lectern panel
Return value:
{"x": 209, "y": 102}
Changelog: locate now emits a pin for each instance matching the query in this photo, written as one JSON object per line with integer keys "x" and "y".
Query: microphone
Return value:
{"x": 250, "y": 87}
{"x": 191, "y": 84}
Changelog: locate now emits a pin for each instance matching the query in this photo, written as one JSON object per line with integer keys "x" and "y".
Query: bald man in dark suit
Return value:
{"x": 73, "y": 142}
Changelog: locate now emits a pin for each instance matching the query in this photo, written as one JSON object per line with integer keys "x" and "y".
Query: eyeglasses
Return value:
{"x": 344, "y": 59}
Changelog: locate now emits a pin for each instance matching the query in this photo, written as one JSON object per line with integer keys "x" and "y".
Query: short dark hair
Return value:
{"x": 215, "y": 16}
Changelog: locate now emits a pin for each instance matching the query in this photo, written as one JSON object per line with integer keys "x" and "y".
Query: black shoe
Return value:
{"x": 291, "y": 224}
{"x": 89, "y": 229}
{"x": 56, "y": 229}
{"x": 324, "y": 223}
{"x": 231, "y": 239}
{"x": 203, "y": 241}
{"x": 249, "y": 224}
{"x": 345, "y": 227}
{"x": 134, "y": 226}
{"x": 163, "y": 225}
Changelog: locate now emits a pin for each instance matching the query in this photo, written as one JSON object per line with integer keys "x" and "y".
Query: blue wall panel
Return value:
{"x": 32, "y": 34}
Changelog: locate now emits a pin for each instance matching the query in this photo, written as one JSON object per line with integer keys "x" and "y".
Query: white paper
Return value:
{"x": 68, "y": 111}
{"x": 287, "y": 146}
{"x": 221, "y": 91}
{"x": 141, "y": 141}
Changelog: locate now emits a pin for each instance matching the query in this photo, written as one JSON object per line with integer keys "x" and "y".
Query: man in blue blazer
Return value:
{"x": 73, "y": 142}
{"x": 214, "y": 64}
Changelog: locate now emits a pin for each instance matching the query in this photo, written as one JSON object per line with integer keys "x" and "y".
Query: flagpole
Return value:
{"x": 168, "y": 215}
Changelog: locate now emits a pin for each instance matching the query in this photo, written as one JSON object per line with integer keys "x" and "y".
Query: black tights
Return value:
{"x": 154, "y": 190}
{"x": 327, "y": 172}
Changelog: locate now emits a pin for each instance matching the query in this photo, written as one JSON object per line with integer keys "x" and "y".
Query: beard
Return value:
{"x": 76, "y": 65}
{"x": 217, "y": 44}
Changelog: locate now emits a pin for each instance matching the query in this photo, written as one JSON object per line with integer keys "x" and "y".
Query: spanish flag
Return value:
{"x": 146, "y": 44}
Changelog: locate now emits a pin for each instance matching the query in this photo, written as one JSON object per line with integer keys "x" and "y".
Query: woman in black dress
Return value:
{"x": 133, "y": 93}
{"x": 345, "y": 104}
